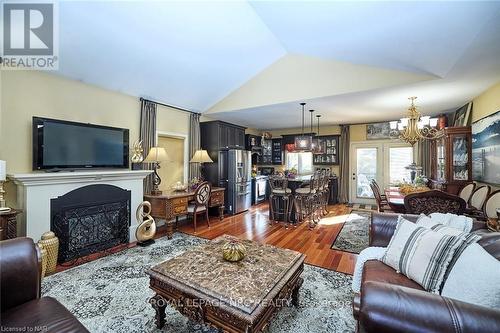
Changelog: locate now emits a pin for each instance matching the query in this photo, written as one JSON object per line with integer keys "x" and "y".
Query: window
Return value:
{"x": 302, "y": 162}
{"x": 366, "y": 166}
{"x": 399, "y": 158}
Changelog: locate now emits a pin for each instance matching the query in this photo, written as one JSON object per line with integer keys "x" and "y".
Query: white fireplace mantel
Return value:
{"x": 35, "y": 190}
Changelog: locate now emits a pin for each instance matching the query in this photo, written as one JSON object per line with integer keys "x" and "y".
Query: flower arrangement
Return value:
{"x": 291, "y": 173}
{"x": 194, "y": 183}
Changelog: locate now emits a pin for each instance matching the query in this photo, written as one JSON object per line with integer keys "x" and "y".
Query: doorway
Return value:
{"x": 173, "y": 170}
{"x": 383, "y": 161}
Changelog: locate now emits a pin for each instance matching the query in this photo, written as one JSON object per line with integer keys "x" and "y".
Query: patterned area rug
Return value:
{"x": 363, "y": 207}
{"x": 111, "y": 295}
{"x": 354, "y": 234}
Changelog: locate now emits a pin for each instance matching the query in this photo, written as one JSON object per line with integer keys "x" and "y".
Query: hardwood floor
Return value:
{"x": 254, "y": 225}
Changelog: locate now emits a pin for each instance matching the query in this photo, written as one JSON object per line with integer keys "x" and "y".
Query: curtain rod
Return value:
{"x": 169, "y": 106}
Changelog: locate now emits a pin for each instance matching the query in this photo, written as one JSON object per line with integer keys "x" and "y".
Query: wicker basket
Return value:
{"x": 43, "y": 253}
{"x": 50, "y": 243}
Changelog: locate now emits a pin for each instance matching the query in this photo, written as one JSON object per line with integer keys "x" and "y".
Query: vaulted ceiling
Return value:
{"x": 253, "y": 62}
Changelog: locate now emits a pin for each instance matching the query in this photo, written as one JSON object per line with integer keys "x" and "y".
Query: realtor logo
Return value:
{"x": 29, "y": 33}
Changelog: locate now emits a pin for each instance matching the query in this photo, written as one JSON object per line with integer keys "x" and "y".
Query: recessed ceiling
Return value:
{"x": 252, "y": 62}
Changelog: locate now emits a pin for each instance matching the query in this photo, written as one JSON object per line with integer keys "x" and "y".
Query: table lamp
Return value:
{"x": 201, "y": 156}
{"x": 156, "y": 156}
{"x": 3, "y": 178}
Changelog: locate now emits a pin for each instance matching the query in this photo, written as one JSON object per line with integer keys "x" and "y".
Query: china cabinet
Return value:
{"x": 451, "y": 164}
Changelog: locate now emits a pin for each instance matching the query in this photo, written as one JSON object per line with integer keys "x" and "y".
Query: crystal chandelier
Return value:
{"x": 415, "y": 128}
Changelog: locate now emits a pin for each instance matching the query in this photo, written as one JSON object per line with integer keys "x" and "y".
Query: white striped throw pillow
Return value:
{"x": 421, "y": 254}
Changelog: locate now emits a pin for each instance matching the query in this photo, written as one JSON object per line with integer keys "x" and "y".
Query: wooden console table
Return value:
{"x": 172, "y": 204}
{"x": 8, "y": 224}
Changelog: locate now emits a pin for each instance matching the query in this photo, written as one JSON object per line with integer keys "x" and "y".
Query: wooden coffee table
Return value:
{"x": 233, "y": 297}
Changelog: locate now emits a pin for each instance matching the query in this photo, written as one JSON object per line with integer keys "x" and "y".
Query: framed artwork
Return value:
{"x": 486, "y": 149}
{"x": 378, "y": 131}
{"x": 462, "y": 115}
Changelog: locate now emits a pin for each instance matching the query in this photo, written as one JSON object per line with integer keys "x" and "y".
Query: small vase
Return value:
{"x": 233, "y": 251}
{"x": 50, "y": 243}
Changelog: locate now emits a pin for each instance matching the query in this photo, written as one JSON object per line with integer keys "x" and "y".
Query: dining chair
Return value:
{"x": 200, "y": 203}
{"x": 382, "y": 203}
{"x": 466, "y": 192}
{"x": 476, "y": 202}
{"x": 434, "y": 201}
{"x": 381, "y": 193}
{"x": 280, "y": 192}
{"x": 491, "y": 205}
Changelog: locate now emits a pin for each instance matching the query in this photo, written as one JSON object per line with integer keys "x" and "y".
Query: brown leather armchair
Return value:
{"x": 390, "y": 302}
{"x": 22, "y": 309}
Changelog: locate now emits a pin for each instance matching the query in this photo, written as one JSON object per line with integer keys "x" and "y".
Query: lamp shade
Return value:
{"x": 3, "y": 171}
{"x": 201, "y": 156}
{"x": 156, "y": 154}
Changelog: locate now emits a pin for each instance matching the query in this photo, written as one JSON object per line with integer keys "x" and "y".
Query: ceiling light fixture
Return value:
{"x": 303, "y": 142}
{"x": 313, "y": 143}
{"x": 415, "y": 128}
{"x": 318, "y": 149}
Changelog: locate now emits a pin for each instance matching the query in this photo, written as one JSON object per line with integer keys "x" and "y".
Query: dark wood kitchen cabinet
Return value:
{"x": 329, "y": 150}
{"x": 219, "y": 135}
{"x": 252, "y": 142}
{"x": 277, "y": 151}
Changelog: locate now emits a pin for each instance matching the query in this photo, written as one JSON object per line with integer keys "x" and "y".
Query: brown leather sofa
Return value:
{"x": 21, "y": 307}
{"x": 390, "y": 302}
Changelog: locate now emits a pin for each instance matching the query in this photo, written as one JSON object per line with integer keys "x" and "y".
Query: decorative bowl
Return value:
{"x": 233, "y": 251}
{"x": 179, "y": 186}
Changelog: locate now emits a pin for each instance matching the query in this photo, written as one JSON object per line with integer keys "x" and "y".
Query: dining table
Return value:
{"x": 395, "y": 199}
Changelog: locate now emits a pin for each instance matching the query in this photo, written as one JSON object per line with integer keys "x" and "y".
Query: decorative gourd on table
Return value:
{"x": 233, "y": 251}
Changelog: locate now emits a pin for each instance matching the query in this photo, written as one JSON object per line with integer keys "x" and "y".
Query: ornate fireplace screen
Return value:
{"x": 90, "y": 219}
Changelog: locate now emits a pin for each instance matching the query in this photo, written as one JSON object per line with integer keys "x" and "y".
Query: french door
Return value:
{"x": 383, "y": 161}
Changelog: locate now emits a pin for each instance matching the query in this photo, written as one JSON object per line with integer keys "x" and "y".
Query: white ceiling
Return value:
{"x": 205, "y": 55}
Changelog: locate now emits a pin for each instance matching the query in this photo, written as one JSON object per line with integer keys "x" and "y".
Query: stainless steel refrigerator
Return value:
{"x": 236, "y": 165}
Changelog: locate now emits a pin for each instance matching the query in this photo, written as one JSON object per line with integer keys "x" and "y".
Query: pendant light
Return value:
{"x": 318, "y": 149}
{"x": 313, "y": 144}
{"x": 303, "y": 142}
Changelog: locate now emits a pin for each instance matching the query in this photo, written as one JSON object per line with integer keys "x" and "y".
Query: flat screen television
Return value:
{"x": 60, "y": 144}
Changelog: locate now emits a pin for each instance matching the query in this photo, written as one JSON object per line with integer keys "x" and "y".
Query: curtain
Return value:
{"x": 423, "y": 156}
{"x": 148, "y": 136}
{"x": 194, "y": 144}
{"x": 344, "y": 164}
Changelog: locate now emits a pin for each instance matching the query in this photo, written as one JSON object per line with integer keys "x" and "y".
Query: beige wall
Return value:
{"x": 171, "y": 171}
{"x": 487, "y": 103}
{"x": 357, "y": 132}
{"x": 25, "y": 94}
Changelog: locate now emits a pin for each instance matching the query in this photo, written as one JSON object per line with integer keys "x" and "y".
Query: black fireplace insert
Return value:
{"x": 90, "y": 219}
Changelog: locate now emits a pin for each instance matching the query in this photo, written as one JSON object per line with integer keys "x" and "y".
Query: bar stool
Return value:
{"x": 280, "y": 193}
{"x": 317, "y": 203}
{"x": 305, "y": 201}
{"x": 325, "y": 192}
